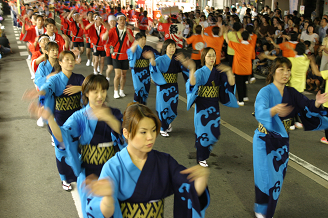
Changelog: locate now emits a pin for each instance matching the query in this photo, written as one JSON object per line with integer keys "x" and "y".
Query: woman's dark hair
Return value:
{"x": 134, "y": 113}
{"x": 245, "y": 35}
{"x": 307, "y": 43}
{"x": 278, "y": 62}
{"x": 167, "y": 43}
{"x": 310, "y": 25}
{"x": 250, "y": 29}
{"x": 204, "y": 53}
{"x": 63, "y": 53}
{"x": 49, "y": 21}
{"x": 139, "y": 36}
{"x": 300, "y": 48}
{"x": 236, "y": 26}
{"x": 198, "y": 29}
{"x": 51, "y": 45}
{"x": 92, "y": 82}
{"x": 216, "y": 30}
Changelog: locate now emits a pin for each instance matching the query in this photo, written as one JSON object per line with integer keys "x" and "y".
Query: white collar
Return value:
{"x": 244, "y": 42}
{"x": 298, "y": 56}
{"x": 294, "y": 42}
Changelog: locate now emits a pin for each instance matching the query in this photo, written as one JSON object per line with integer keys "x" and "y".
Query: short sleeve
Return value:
{"x": 324, "y": 74}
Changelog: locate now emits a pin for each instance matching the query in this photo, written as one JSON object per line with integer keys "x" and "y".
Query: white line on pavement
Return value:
{"x": 22, "y": 47}
{"x": 19, "y": 42}
{"x": 17, "y": 38}
{"x": 23, "y": 53}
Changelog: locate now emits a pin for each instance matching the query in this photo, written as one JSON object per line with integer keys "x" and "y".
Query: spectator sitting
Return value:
{"x": 5, "y": 46}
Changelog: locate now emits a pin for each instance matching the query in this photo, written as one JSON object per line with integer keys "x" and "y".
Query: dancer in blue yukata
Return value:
{"x": 207, "y": 87}
{"x": 164, "y": 72}
{"x": 136, "y": 180}
{"x": 275, "y": 106}
{"x": 140, "y": 67}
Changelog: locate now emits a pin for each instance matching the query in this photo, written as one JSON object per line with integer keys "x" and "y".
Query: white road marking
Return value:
{"x": 22, "y": 47}
{"x": 16, "y": 34}
{"x": 17, "y": 38}
{"x": 9, "y": 16}
{"x": 19, "y": 42}
{"x": 23, "y": 53}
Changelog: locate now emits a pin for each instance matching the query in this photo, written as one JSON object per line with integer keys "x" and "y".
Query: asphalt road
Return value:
{"x": 30, "y": 185}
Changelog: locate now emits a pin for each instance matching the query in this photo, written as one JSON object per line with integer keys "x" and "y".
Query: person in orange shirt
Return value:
{"x": 242, "y": 65}
{"x": 197, "y": 44}
{"x": 215, "y": 41}
{"x": 288, "y": 47}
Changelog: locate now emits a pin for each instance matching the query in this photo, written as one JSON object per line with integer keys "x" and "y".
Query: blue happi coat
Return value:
{"x": 165, "y": 74}
{"x": 83, "y": 132}
{"x": 140, "y": 72}
{"x": 271, "y": 141}
{"x": 63, "y": 108}
{"x": 40, "y": 78}
{"x": 140, "y": 193}
{"x": 211, "y": 88}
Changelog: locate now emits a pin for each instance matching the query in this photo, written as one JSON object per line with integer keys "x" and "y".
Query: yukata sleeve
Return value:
{"x": 312, "y": 118}
{"x": 185, "y": 72}
{"x": 71, "y": 132}
{"x": 118, "y": 139}
{"x": 93, "y": 205}
{"x": 192, "y": 91}
{"x": 49, "y": 88}
{"x": 227, "y": 92}
{"x": 156, "y": 73}
{"x": 187, "y": 203}
{"x": 262, "y": 108}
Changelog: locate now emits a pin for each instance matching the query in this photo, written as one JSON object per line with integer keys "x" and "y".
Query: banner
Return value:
{"x": 28, "y": 1}
{"x": 302, "y": 9}
{"x": 293, "y": 5}
{"x": 170, "y": 10}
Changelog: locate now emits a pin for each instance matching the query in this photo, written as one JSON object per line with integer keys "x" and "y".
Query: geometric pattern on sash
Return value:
{"x": 208, "y": 91}
{"x": 142, "y": 63}
{"x": 68, "y": 103}
{"x": 287, "y": 123}
{"x": 92, "y": 154}
{"x": 170, "y": 77}
{"x": 143, "y": 210}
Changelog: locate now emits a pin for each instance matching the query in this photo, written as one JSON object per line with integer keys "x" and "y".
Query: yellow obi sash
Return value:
{"x": 152, "y": 209}
{"x": 97, "y": 154}
{"x": 68, "y": 103}
{"x": 208, "y": 91}
{"x": 142, "y": 63}
{"x": 287, "y": 123}
{"x": 170, "y": 77}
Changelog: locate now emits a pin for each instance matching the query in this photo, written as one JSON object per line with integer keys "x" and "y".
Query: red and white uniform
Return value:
{"x": 143, "y": 23}
{"x": 120, "y": 46}
{"x": 95, "y": 35}
{"x": 31, "y": 34}
{"x": 35, "y": 55}
{"x": 76, "y": 30}
{"x": 59, "y": 40}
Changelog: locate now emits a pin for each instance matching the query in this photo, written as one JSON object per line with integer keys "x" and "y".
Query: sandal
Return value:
{"x": 164, "y": 133}
{"x": 169, "y": 129}
{"x": 66, "y": 186}
{"x": 203, "y": 163}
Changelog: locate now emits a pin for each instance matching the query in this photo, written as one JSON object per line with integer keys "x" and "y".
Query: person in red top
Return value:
{"x": 121, "y": 39}
{"x": 143, "y": 23}
{"x": 64, "y": 23}
{"x": 250, "y": 30}
{"x": 197, "y": 44}
{"x": 95, "y": 31}
{"x": 242, "y": 64}
{"x": 214, "y": 40}
{"x": 62, "y": 41}
{"x": 88, "y": 46}
{"x": 29, "y": 35}
{"x": 77, "y": 30}
{"x": 39, "y": 55}
{"x": 132, "y": 16}
{"x": 112, "y": 24}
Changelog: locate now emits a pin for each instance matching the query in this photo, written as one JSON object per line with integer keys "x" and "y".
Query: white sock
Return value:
{"x": 121, "y": 91}
{"x": 108, "y": 79}
{"x": 115, "y": 92}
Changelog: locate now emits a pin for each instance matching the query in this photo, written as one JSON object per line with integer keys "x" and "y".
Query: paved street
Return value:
{"x": 30, "y": 185}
